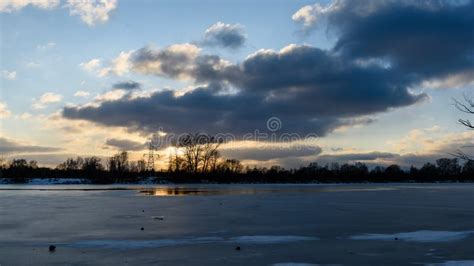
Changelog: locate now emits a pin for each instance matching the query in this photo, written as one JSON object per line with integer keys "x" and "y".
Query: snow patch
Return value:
{"x": 418, "y": 236}
{"x": 453, "y": 263}
{"x": 57, "y": 181}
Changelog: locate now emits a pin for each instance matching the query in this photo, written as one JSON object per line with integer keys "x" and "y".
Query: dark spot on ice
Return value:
{"x": 396, "y": 238}
{"x": 142, "y": 228}
{"x": 237, "y": 248}
{"x": 52, "y": 248}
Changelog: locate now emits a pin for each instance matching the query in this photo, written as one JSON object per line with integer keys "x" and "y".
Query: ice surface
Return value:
{"x": 418, "y": 236}
{"x": 292, "y": 224}
{"x": 294, "y": 264}
{"x": 266, "y": 239}
{"x": 136, "y": 244}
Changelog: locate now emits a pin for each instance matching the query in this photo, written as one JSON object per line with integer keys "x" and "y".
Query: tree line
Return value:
{"x": 197, "y": 159}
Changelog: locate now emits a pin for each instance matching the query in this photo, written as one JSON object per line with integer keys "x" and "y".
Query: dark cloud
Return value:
{"x": 270, "y": 153}
{"x": 8, "y": 146}
{"x": 426, "y": 39}
{"x": 225, "y": 35}
{"x": 127, "y": 85}
{"x": 174, "y": 61}
{"x": 382, "y": 49}
{"x": 354, "y": 157}
{"x": 310, "y": 90}
{"x": 125, "y": 144}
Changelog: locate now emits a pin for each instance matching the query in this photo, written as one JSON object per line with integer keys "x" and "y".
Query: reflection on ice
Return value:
{"x": 182, "y": 191}
{"x": 189, "y": 191}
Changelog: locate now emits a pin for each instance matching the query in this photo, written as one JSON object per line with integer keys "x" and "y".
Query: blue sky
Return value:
{"x": 42, "y": 50}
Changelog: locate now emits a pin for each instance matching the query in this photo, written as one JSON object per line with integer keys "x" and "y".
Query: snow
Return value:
{"x": 453, "y": 263}
{"x": 57, "y": 181}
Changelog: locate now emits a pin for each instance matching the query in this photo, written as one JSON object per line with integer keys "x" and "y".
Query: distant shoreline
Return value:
{"x": 164, "y": 181}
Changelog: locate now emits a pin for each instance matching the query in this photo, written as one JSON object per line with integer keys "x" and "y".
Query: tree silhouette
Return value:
{"x": 467, "y": 106}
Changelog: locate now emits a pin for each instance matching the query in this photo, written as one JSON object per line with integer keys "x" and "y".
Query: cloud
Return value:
{"x": 9, "y": 6}
{"x": 112, "y": 95}
{"x": 81, "y": 94}
{"x": 125, "y": 144}
{"x": 425, "y": 39}
{"x": 356, "y": 157}
{"x": 225, "y": 35}
{"x": 119, "y": 66}
{"x": 24, "y": 116}
{"x": 32, "y": 64}
{"x": 4, "y": 112}
{"x": 47, "y": 46}
{"x": 175, "y": 61}
{"x": 310, "y": 15}
{"x": 127, "y": 85}
{"x": 309, "y": 89}
{"x": 267, "y": 151}
{"x": 8, "y": 146}
{"x": 418, "y": 147}
{"x": 92, "y": 12}
{"x": 91, "y": 65}
{"x": 383, "y": 50}
{"x": 46, "y": 99}
{"x": 10, "y": 75}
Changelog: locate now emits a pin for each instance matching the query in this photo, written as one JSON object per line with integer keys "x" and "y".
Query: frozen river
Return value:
{"x": 366, "y": 224}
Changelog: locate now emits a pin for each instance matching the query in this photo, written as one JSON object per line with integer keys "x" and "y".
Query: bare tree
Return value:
{"x": 71, "y": 164}
{"x": 92, "y": 164}
{"x": 199, "y": 153}
{"x": 466, "y": 106}
{"x": 231, "y": 166}
{"x": 118, "y": 162}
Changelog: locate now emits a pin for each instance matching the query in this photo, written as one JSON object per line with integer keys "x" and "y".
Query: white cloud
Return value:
{"x": 10, "y": 75}
{"x": 92, "y": 12}
{"x": 92, "y": 65}
{"x": 32, "y": 64}
{"x": 9, "y": 6}
{"x": 457, "y": 80}
{"x": 4, "y": 112}
{"x": 119, "y": 66}
{"x": 311, "y": 14}
{"x": 81, "y": 94}
{"x": 46, "y": 99}
{"x": 47, "y": 46}
{"x": 25, "y": 116}
{"x": 110, "y": 95}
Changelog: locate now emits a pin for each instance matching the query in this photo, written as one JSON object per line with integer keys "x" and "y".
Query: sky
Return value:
{"x": 291, "y": 82}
